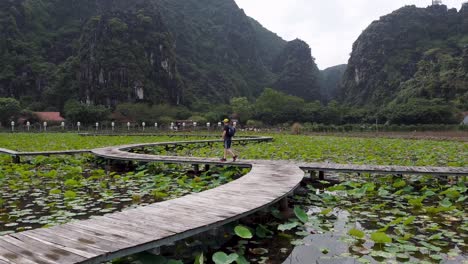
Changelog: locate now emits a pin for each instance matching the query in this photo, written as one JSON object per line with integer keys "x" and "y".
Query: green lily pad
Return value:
{"x": 243, "y": 232}
{"x": 300, "y": 214}
{"x": 380, "y": 237}
{"x": 287, "y": 226}
{"x": 223, "y": 258}
{"x": 356, "y": 233}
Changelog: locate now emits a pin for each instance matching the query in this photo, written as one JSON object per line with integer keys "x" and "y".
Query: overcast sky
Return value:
{"x": 330, "y": 27}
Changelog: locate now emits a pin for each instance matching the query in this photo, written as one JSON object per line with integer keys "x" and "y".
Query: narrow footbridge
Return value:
{"x": 131, "y": 231}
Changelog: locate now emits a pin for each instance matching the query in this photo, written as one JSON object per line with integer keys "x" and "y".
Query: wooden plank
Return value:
{"x": 12, "y": 257}
{"x": 31, "y": 241}
{"x": 79, "y": 248}
{"x": 8, "y": 151}
{"x": 47, "y": 250}
{"x": 89, "y": 238}
{"x": 20, "y": 254}
{"x": 172, "y": 223}
{"x": 97, "y": 234}
{"x": 119, "y": 232}
{"x": 149, "y": 228}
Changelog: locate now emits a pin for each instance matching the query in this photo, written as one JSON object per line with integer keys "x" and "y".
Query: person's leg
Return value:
{"x": 225, "y": 145}
{"x": 231, "y": 152}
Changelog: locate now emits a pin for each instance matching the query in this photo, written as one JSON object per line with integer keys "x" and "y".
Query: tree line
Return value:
{"x": 271, "y": 108}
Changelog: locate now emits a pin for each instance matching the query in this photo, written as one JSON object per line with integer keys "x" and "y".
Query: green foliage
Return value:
{"x": 75, "y": 111}
{"x": 137, "y": 112}
{"x": 378, "y": 151}
{"x": 242, "y": 107}
{"x": 94, "y": 52}
{"x": 379, "y": 237}
{"x": 356, "y": 233}
{"x": 243, "y": 232}
{"x": 223, "y": 258}
{"x": 301, "y": 215}
{"x": 87, "y": 51}
{"x": 297, "y": 72}
{"x": 288, "y": 226}
{"x": 9, "y": 108}
{"x": 64, "y": 188}
{"x": 273, "y": 107}
{"x": 411, "y": 54}
{"x": 421, "y": 111}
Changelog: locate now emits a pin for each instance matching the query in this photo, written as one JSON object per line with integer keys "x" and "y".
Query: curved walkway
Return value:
{"x": 120, "y": 234}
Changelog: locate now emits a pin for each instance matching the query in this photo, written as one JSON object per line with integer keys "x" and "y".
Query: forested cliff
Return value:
{"x": 141, "y": 56}
{"x": 156, "y": 51}
{"x": 411, "y": 55}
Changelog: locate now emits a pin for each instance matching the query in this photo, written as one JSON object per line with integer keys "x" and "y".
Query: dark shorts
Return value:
{"x": 227, "y": 143}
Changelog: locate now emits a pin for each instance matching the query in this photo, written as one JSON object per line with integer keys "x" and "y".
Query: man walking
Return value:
{"x": 228, "y": 133}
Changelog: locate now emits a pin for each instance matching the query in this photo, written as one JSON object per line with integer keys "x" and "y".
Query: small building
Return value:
{"x": 464, "y": 116}
{"x": 52, "y": 117}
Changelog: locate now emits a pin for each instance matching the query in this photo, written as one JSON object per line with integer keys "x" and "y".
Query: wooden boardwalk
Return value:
{"x": 121, "y": 153}
{"x": 120, "y": 234}
{"x": 441, "y": 171}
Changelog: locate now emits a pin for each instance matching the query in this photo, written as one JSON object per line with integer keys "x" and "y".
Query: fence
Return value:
{"x": 108, "y": 127}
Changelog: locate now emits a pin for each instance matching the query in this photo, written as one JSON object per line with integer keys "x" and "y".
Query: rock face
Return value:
{"x": 330, "y": 82}
{"x": 297, "y": 72}
{"x": 101, "y": 52}
{"x": 113, "y": 51}
{"x": 413, "y": 52}
{"x": 220, "y": 51}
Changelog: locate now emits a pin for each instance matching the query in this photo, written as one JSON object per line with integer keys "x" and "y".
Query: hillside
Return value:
{"x": 297, "y": 72}
{"x": 413, "y": 56}
{"x": 155, "y": 51}
{"x": 100, "y": 52}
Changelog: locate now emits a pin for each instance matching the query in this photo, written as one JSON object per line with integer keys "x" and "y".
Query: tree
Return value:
{"x": 9, "y": 107}
{"x": 138, "y": 112}
{"x": 75, "y": 111}
{"x": 242, "y": 107}
{"x": 274, "y": 107}
{"x": 312, "y": 112}
{"x": 421, "y": 111}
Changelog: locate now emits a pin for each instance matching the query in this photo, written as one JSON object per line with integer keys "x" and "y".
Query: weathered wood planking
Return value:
{"x": 8, "y": 151}
{"x": 81, "y": 151}
{"x": 43, "y": 153}
{"x": 444, "y": 171}
{"x": 49, "y": 153}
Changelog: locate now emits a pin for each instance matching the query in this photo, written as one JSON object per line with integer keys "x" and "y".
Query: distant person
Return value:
{"x": 228, "y": 132}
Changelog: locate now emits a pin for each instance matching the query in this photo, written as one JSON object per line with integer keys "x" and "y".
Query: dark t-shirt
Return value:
{"x": 226, "y": 128}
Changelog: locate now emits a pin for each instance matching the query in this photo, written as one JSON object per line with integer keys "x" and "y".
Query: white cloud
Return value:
{"x": 330, "y": 27}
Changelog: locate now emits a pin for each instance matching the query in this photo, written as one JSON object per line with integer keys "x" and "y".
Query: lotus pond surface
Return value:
{"x": 47, "y": 191}
{"x": 72, "y": 141}
{"x": 367, "y": 219}
{"x": 378, "y": 151}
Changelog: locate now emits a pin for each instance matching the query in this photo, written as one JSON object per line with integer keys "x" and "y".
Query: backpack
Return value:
{"x": 231, "y": 131}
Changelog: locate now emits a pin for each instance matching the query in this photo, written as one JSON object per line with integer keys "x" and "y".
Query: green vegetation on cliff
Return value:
{"x": 297, "y": 72}
{"x": 412, "y": 57}
{"x": 152, "y": 51}
{"x": 98, "y": 52}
